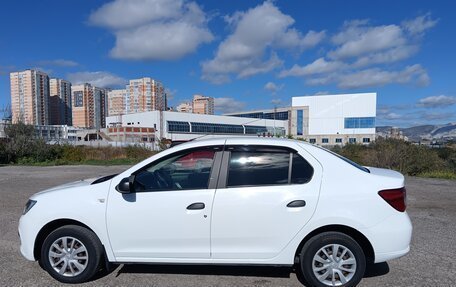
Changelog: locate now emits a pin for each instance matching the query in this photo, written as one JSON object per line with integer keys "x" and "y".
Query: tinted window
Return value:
{"x": 258, "y": 168}
{"x": 301, "y": 171}
{"x": 187, "y": 170}
{"x": 358, "y": 166}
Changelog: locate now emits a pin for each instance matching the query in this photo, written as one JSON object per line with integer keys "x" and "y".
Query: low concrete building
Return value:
{"x": 177, "y": 126}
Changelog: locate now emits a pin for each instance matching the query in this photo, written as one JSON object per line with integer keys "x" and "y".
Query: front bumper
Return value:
{"x": 27, "y": 235}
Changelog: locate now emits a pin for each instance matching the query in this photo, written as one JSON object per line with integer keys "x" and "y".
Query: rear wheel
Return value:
{"x": 332, "y": 259}
{"x": 71, "y": 254}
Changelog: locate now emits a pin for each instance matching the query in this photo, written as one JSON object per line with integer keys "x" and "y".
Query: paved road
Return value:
{"x": 431, "y": 262}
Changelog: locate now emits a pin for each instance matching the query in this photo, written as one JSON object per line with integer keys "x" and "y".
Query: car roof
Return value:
{"x": 242, "y": 140}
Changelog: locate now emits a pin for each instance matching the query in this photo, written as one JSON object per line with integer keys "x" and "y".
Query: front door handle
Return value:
{"x": 196, "y": 206}
{"x": 297, "y": 203}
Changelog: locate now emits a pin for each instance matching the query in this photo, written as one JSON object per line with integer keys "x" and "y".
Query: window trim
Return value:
{"x": 215, "y": 168}
{"x": 224, "y": 168}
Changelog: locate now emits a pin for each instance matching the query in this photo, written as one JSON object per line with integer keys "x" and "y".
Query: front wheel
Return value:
{"x": 71, "y": 254}
{"x": 332, "y": 259}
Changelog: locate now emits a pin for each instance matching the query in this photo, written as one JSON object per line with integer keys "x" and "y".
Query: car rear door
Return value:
{"x": 265, "y": 195}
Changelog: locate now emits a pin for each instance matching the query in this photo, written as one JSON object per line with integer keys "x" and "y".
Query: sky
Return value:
{"x": 246, "y": 54}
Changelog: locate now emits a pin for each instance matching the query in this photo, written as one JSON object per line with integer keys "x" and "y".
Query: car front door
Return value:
{"x": 266, "y": 194}
{"x": 167, "y": 213}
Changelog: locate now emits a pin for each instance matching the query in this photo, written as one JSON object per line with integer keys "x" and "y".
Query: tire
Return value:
{"x": 314, "y": 260}
{"x": 80, "y": 266}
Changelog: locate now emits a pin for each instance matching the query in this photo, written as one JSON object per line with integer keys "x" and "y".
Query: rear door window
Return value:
{"x": 301, "y": 171}
{"x": 265, "y": 165}
{"x": 258, "y": 168}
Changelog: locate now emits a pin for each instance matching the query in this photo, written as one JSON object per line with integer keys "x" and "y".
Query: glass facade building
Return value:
{"x": 210, "y": 128}
{"x": 280, "y": 115}
{"x": 299, "y": 119}
{"x": 360, "y": 123}
{"x": 175, "y": 126}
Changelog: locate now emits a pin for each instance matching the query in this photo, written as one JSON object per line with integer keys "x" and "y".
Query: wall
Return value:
{"x": 327, "y": 112}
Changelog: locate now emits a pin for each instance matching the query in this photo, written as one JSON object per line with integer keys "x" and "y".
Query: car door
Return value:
{"x": 266, "y": 194}
{"x": 166, "y": 215}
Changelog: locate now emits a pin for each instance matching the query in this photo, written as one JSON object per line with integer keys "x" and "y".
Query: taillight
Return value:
{"x": 395, "y": 197}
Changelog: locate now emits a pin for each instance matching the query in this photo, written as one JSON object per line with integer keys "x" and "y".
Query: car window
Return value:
{"x": 358, "y": 166}
{"x": 301, "y": 171}
{"x": 185, "y": 170}
{"x": 258, "y": 168}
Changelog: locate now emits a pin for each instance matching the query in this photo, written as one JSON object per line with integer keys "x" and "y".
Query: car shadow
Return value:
{"x": 229, "y": 270}
{"x": 372, "y": 270}
{"x": 376, "y": 270}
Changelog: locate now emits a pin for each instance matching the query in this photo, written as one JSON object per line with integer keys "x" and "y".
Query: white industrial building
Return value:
{"x": 326, "y": 119}
{"x": 177, "y": 126}
{"x": 334, "y": 119}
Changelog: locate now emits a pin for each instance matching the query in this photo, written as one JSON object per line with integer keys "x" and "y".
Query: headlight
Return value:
{"x": 30, "y": 203}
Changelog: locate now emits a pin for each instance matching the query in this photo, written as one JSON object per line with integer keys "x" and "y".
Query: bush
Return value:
{"x": 138, "y": 152}
{"x": 399, "y": 155}
{"x": 21, "y": 147}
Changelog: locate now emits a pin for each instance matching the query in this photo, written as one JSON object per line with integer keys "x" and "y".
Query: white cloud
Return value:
{"x": 99, "y": 79}
{"x": 272, "y": 87}
{"x": 374, "y": 77}
{"x": 361, "y": 52}
{"x": 276, "y": 102}
{"x": 121, "y": 14}
{"x": 255, "y": 32}
{"x": 420, "y": 24}
{"x": 414, "y": 74}
{"x": 379, "y": 44}
{"x": 58, "y": 63}
{"x": 153, "y": 29}
{"x": 357, "y": 38}
{"x": 389, "y": 56}
{"x": 437, "y": 101}
{"x": 319, "y": 66}
{"x": 228, "y": 105}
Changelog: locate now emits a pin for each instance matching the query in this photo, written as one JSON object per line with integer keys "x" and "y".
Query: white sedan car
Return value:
{"x": 234, "y": 201}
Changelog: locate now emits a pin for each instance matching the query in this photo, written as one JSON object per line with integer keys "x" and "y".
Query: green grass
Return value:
{"x": 443, "y": 174}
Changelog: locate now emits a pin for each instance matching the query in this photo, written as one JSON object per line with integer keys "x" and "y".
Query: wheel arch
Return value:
{"x": 51, "y": 226}
{"x": 355, "y": 234}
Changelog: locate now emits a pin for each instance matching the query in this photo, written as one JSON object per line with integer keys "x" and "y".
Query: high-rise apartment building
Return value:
{"x": 60, "y": 102}
{"x": 89, "y": 106}
{"x": 100, "y": 107}
{"x": 203, "y": 105}
{"x": 185, "y": 108}
{"x": 30, "y": 97}
{"x": 116, "y": 102}
{"x": 145, "y": 94}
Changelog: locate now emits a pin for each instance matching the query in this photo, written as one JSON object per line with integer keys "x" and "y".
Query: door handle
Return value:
{"x": 196, "y": 206}
{"x": 297, "y": 203}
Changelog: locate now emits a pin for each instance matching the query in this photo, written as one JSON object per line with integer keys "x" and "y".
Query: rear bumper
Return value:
{"x": 382, "y": 257}
{"x": 391, "y": 237}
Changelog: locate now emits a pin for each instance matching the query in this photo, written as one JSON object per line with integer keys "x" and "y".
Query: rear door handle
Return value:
{"x": 196, "y": 206}
{"x": 296, "y": 203}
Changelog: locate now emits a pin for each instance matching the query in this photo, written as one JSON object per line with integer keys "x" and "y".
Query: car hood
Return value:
{"x": 70, "y": 185}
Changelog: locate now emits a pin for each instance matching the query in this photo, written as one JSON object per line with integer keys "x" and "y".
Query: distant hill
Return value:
{"x": 417, "y": 133}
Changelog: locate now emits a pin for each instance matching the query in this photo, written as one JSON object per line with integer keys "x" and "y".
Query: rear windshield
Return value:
{"x": 358, "y": 166}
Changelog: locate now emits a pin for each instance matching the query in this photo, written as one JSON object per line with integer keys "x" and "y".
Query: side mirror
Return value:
{"x": 126, "y": 185}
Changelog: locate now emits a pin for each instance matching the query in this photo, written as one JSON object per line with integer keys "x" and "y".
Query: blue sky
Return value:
{"x": 246, "y": 54}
